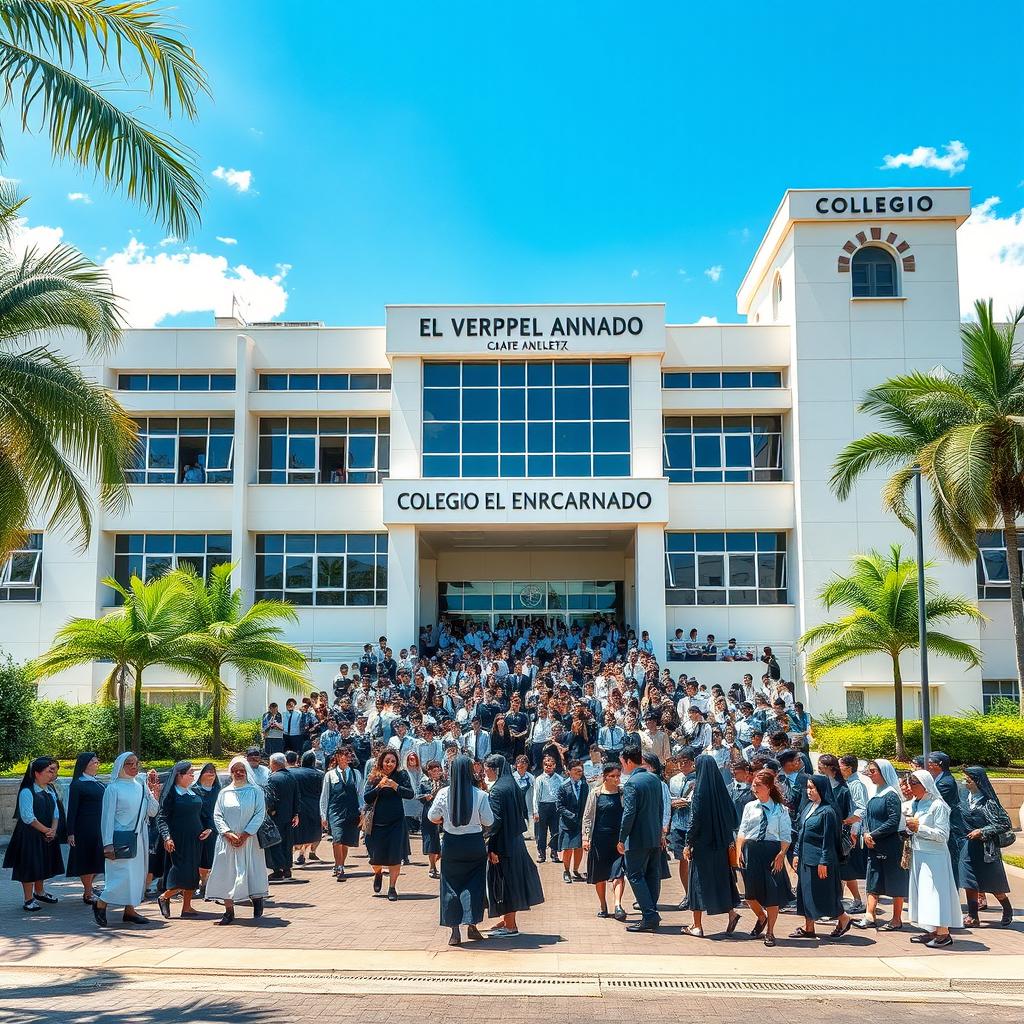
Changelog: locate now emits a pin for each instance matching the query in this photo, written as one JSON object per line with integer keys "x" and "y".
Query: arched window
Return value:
{"x": 874, "y": 273}
{"x": 776, "y": 295}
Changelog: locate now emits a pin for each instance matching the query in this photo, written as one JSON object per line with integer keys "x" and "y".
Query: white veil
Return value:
{"x": 249, "y": 777}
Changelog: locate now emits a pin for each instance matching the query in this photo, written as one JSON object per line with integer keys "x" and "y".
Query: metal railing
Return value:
{"x": 785, "y": 651}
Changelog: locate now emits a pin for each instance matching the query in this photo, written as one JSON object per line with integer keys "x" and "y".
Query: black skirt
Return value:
{"x": 86, "y": 856}
{"x": 975, "y": 873}
{"x": 760, "y": 883}
{"x": 431, "y": 836}
{"x": 388, "y": 844}
{"x": 30, "y": 857}
{"x": 883, "y": 874}
{"x": 184, "y": 820}
{"x": 712, "y": 884}
{"x": 513, "y": 884}
{"x": 856, "y": 864}
{"x": 463, "y": 878}
{"x": 818, "y": 898}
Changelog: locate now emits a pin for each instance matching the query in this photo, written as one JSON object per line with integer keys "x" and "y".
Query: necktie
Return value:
{"x": 763, "y": 830}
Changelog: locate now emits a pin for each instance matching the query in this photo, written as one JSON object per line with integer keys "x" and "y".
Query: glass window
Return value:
{"x": 717, "y": 449}
{"x": 682, "y": 380}
{"x": 176, "y": 382}
{"x": 999, "y": 690}
{"x": 993, "y": 567}
{"x": 148, "y": 555}
{"x": 21, "y": 573}
{"x": 334, "y": 381}
{"x": 874, "y": 273}
{"x": 725, "y": 568}
{"x": 328, "y": 450}
{"x": 509, "y": 419}
{"x": 322, "y": 569}
{"x": 192, "y": 450}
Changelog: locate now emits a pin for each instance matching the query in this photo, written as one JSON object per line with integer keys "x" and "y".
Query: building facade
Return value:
{"x": 499, "y": 461}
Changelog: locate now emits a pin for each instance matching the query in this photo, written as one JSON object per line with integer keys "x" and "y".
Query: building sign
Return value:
{"x": 518, "y": 331}
{"x": 870, "y": 205}
{"x": 887, "y": 203}
{"x": 431, "y": 502}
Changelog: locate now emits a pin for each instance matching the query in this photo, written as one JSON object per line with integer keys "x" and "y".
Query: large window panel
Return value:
{"x": 190, "y": 450}
{"x": 735, "y": 568}
{"x": 993, "y": 566}
{"x": 722, "y": 449}
{"x": 328, "y": 450}
{"x": 322, "y": 569}
{"x": 21, "y": 573}
{"x": 150, "y": 555}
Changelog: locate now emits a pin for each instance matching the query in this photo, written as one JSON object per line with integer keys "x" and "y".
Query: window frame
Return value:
{"x": 174, "y": 556}
{"x": 383, "y": 381}
{"x": 693, "y": 441}
{"x": 29, "y": 590}
{"x": 225, "y": 475}
{"x": 686, "y": 544}
{"x": 864, "y": 259}
{"x": 327, "y": 427}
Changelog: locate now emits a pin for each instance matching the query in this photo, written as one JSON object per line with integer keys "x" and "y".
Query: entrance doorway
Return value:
{"x": 568, "y": 601}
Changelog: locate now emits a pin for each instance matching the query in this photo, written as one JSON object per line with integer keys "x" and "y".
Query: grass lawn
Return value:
{"x": 1015, "y": 859}
{"x": 66, "y": 767}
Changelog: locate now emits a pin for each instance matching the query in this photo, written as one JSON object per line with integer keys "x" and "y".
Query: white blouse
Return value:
{"x": 780, "y": 827}
{"x": 481, "y": 814}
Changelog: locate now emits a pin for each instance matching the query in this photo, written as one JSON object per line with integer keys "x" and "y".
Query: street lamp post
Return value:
{"x": 922, "y": 623}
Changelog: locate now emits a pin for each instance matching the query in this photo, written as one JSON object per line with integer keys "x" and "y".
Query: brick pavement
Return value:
{"x": 315, "y": 912}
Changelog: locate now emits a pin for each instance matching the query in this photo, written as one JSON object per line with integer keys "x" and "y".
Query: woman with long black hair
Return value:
{"x": 713, "y": 824}
{"x": 462, "y": 810}
{"x": 387, "y": 841}
{"x": 206, "y": 788}
{"x": 183, "y": 825}
{"x": 85, "y": 807}
{"x": 33, "y": 854}
{"x": 817, "y": 855}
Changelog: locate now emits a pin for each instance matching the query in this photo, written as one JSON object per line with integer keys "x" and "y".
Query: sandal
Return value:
{"x": 971, "y": 922}
{"x": 803, "y": 933}
{"x": 840, "y": 930}
{"x": 769, "y": 941}
{"x": 734, "y": 919}
{"x": 892, "y": 926}
{"x": 762, "y": 923}
{"x": 689, "y": 929}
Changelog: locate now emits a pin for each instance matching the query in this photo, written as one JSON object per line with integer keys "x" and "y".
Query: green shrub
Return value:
{"x": 17, "y": 729}
{"x": 987, "y": 740}
{"x": 176, "y": 732}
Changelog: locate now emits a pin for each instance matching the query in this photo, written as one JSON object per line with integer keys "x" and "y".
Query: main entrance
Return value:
{"x": 568, "y": 601}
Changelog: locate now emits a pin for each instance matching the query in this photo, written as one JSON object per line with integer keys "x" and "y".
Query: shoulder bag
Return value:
{"x": 268, "y": 834}
{"x": 125, "y": 842}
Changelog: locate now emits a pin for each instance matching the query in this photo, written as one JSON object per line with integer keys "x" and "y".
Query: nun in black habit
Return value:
{"x": 183, "y": 825}
{"x": 981, "y": 865}
{"x": 712, "y": 831}
{"x": 513, "y": 883}
{"x": 206, "y": 788}
{"x": 85, "y": 807}
{"x": 817, "y": 857}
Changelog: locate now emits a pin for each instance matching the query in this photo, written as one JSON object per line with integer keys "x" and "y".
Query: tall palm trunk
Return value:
{"x": 217, "y": 748}
{"x": 137, "y": 722}
{"x": 897, "y": 686}
{"x": 1016, "y": 598}
{"x": 122, "y": 671}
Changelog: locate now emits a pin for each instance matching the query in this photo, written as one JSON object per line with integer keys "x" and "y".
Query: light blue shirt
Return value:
{"x": 26, "y": 799}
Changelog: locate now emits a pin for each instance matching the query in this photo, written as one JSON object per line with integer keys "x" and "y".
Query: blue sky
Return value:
{"x": 538, "y": 152}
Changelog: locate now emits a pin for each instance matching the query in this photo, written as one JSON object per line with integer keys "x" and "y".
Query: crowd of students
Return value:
{"x": 578, "y": 735}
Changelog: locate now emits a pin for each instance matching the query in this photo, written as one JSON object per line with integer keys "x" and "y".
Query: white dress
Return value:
{"x": 934, "y": 900}
{"x": 238, "y": 873}
{"x": 125, "y": 880}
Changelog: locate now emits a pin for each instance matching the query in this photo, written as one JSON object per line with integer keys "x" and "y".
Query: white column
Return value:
{"x": 646, "y": 415}
{"x": 403, "y": 589}
{"x": 650, "y": 585}
{"x": 406, "y": 417}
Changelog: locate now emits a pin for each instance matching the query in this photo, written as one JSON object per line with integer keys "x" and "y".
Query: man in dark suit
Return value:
{"x": 740, "y": 789}
{"x": 793, "y": 780}
{"x": 572, "y": 802}
{"x": 945, "y": 783}
{"x": 283, "y": 804}
{"x": 640, "y": 836}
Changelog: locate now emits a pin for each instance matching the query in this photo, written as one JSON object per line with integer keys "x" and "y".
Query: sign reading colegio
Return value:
{"x": 428, "y": 502}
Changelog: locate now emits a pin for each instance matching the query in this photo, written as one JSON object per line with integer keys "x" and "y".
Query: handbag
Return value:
{"x": 269, "y": 834}
{"x": 366, "y": 822}
{"x": 846, "y": 841}
{"x": 125, "y": 843}
{"x": 907, "y": 853}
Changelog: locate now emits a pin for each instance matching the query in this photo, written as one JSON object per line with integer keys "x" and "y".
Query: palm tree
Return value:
{"x": 142, "y": 633}
{"x": 880, "y": 594}
{"x": 54, "y": 423}
{"x": 219, "y": 632}
{"x": 966, "y": 431}
{"x": 49, "y": 52}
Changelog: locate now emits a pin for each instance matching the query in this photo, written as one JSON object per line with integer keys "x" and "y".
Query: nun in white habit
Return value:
{"x": 239, "y": 869}
{"x": 127, "y": 804}
{"x": 934, "y": 899}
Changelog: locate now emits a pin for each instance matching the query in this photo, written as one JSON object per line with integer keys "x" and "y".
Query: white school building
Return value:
{"x": 498, "y": 461}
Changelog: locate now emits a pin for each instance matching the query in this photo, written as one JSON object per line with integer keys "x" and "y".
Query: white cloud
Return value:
{"x": 225, "y": 240}
{"x": 990, "y": 254}
{"x": 153, "y": 286}
{"x": 714, "y": 272}
{"x": 634, "y": 274}
{"x": 706, "y": 321}
{"x": 240, "y": 180}
{"x": 80, "y": 197}
{"x": 169, "y": 240}
{"x": 953, "y": 158}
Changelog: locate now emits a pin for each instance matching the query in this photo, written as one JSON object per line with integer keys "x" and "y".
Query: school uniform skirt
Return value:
{"x": 856, "y": 863}
{"x": 30, "y": 857}
{"x": 712, "y": 884}
{"x": 760, "y": 883}
{"x": 818, "y": 898}
{"x": 430, "y": 835}
{"x": 463, "y": 878}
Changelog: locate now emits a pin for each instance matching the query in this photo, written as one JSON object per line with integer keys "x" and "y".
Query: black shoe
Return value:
{"x": 378, "y": 883}
{"x": 1007, "y": 919}
{"x": 406, "y": 861}
{"x": 165, "y": 907}
{"x": 135, "y": 919}
{"x": 227, "y": 918}
{"x": 473, "y": 933}
{"x": 257, "y": 906}
{"x": 684, "y": 903}
{"x": 433, "y": 873}
{"x": 940, "y": 942}
{"x": 642, "y": 926}
{"x": 759, "y": 927}
{"x": 99, "y": 915}
{"x": 603, "y": 912}
{"x": 542, "y": 859}
{"x": 455, "y": 939}
{"x": 31, "y": 907}
{"x": 46, "y": 897}
{"x": 313, "y": 856}
{"x": 577, "y": 877}
{"x": 923, "y": 937}
{"x": 620, "y": 914}
{"x": 300, "y": 860}
{"x": 288, "y": 873}
{"x": 392, "y": 895}
{"x": 566, "y": 877}
{"x": 276, "y": 876}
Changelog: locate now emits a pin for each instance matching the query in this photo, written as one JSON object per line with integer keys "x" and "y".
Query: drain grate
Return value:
{"x": 779, "y": 985}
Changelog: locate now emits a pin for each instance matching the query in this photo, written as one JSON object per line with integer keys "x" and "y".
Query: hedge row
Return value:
{"x": 180, "y": 731}
{"x": 988, "y": 740}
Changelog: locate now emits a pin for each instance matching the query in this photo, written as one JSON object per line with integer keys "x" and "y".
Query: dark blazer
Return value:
{"x": 740, "y": 798}
{"x": 285, "y": 797}
{"x": 882, "y": 822}
{"x": 817, "y": 841}
{"x": 796, "y": 798}
{"x": 950, "y": 792}
{"x": 570, "y": 809}
{"x": 642, "y": 809}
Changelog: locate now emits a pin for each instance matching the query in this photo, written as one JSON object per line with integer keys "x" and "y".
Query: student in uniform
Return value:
{"x": 341, "y": 804}
{"x": 884, "y": 826}
{"x": 430, "y": 785}
{"x": 85, "y": 805}
{"x": 601, "y": 822}
{"x": 765, "y": 833}
{"x": 817, "y": 856}
{"x": 572, "y": 802}
{"x": 545, "y": 809}
{"x": 713, "y": 823}
{"x": 981, "y": 866}
{"x": 849, "y": 818}
{"x": 462, "y": 811}
{"x": 183, "y": 825}
{"x": 33, "y": 854}
{"x": 206, "y": 788}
